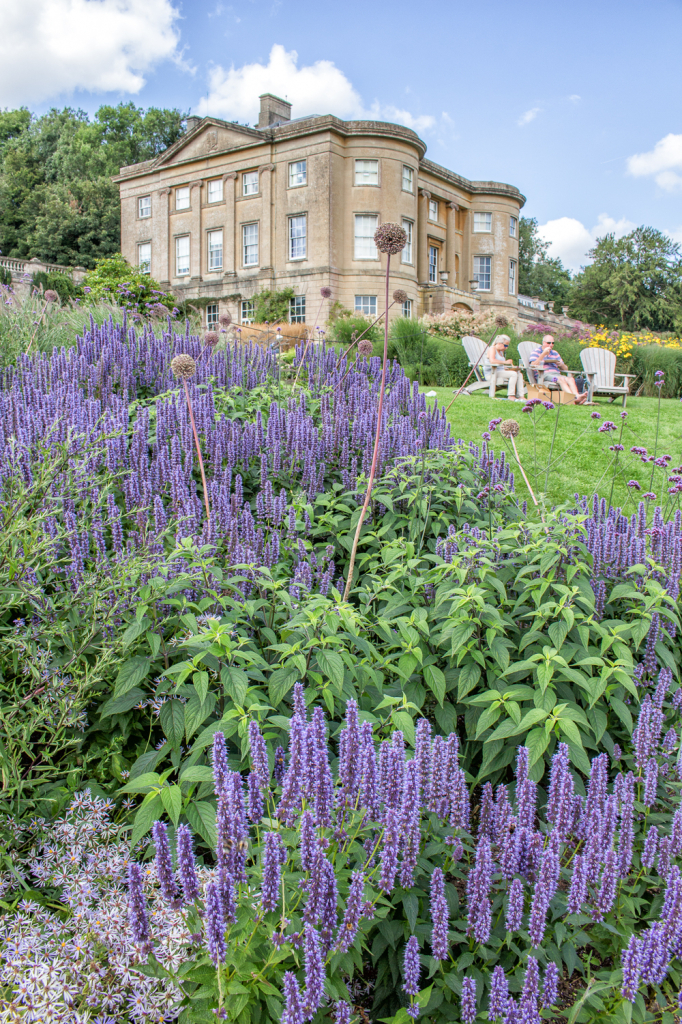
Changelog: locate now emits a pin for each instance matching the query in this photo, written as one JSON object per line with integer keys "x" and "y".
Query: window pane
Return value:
{"x": 408, "y": 179}
{"x": 297, "y": 238}
{"x": 250, "y": 244}
{"x": 433, "y": 209}
{"x": 246, "y": 313}
{"x": 144, "y": 206}
{"x": 297, "y": 310}
{"x": 406, "y": 254}
{"x": 182, "y": 198}
{"x": 182, "y": 256}
{"x": 482, "y": 272}
{"x": 144, "y": 257}
{"x": 215, "y": 250}
{"x": 297, "y": 173}
{"x": 366, "y": 304}
{"x": 212, "y": 315}
{"x": 512, "y": 227}
{"x": 366, "y": 172}
{"x": 512, "y": 277}
{"x": 365, "y": 229}
{"x": 250, "y": 183}
{"x": 407, "y": 308}
{"x": 433, "y": 264}
{"x": 483, "y": 222}
{"x": 215, "y": 190}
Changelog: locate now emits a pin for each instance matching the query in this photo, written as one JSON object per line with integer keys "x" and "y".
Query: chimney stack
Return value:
{"x": 192, "y": 122}
{"x": 273, "y": 110}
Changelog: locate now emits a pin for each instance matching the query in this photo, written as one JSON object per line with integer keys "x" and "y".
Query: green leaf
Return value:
{"x": 235, "y": 683}
{"x": 570, "y": 729}
{"x": 460, "y": 635}
{"x": 141, "y": 783}
{"x": 537, "y": 742}
{"x": 622, "y": 711}
{"x": 411, "y": 908}
{"x": 118, "y": 705}
{"x": 196, "y": 713}
{"x": 280, "y": 682}
{"x": 149, "y": 811}
{"x": 331, "y": 665}
{"x": 200, "y": 680}
{"x": 147, "y": 762}
{"x": 172, "y": 718}
{"x": 435, "y": 680}
{"x": 500, "y": 653}
{"x": 403, "y": 721}
{"x": 171, "y": 797}
{"x": 134, "y": 630}
{"x": 578, "y": 757}
{"x": 468, "y": 677}
{"x": 130, "y": 674}
{"x": 557, "y": 633}
{"x": 197, "y": 773}
{"x": 530, "y": 719}
{"x": 488, "y": 718}
{"x": 202, "y": 817}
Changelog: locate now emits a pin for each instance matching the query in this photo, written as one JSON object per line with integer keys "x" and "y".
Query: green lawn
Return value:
{"x": 581, "y": 460}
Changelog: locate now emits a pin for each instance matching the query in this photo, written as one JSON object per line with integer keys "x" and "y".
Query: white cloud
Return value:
{"x": 574, "y": 98}
{"x": 570, "y": 240}
{"x": 51, "y": 47}
{"x": 529, "y": 116}
{"x": 319, "y": 88}
{"x": 663, "y": 162}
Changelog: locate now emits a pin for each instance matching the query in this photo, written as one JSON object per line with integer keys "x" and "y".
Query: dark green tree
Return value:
{"x": 540, "y": 274}
{"x": 634, "y": 282}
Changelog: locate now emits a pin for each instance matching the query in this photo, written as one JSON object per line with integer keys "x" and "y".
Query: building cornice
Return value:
{"x": 474, "y": 187}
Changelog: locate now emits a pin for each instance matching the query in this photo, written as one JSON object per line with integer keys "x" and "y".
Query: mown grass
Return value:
{"x": 581, "y": 459}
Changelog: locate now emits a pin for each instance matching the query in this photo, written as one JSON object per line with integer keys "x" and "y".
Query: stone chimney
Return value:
{"x": 192, "y": 123}
{"x": 273, "y": 110}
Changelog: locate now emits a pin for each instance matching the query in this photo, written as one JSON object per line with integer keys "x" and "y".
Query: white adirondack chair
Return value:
{"x": 525, "y": 351}
{"x": 485, "y": 374}
{"x": 600, "y": 369}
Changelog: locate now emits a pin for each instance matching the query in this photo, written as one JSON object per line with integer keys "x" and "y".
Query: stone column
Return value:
{"x": 265, "y": 240}
{"x": 422, "y": 237}
{"x": 230, "y": 245}
{"x": 196, "y": 241}
{"x": 451, "y": 245}
{"x": 161, "y": 240}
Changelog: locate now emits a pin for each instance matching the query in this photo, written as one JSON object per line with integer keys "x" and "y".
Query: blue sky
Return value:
{"x": 577, "y": 105}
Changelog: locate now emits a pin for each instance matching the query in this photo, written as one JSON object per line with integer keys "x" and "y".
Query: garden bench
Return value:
{"x": 600, "y": 365}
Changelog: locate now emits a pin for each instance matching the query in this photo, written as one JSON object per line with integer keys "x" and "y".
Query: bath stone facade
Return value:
{"x": 229, "y": 211}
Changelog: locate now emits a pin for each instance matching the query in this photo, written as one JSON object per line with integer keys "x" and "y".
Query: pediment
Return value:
{"x": 211, "y": 136}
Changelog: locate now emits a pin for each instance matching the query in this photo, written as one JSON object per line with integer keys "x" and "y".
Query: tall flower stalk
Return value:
{"x": 184, "y": 367}
{"x": 325, "y": 293}
{"x": 391, "y": 239}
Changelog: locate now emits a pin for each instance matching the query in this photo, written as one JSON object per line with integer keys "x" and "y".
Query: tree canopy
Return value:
{"x": 540, "y": 274}
{"x": 57, "y": 200}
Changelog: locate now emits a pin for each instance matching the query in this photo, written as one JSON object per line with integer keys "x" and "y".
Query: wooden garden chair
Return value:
{"x": 485, "y": 374}
{"x": 525, "y": 351}
{"x": 600, "y": 369}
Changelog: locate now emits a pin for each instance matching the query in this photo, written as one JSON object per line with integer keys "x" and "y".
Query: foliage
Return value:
{"x": 57, "y": 282}
{"x": 347, "y": 325}
{"x": 57, "y": 200}
{"x": 540, "y": 274}
{"x": 634, "y": 283}
{"x": 114, "y": 280}
{"x": 271, "y": 306}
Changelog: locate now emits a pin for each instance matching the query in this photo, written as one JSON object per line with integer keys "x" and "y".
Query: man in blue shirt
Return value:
{"x": 547, "y": 361}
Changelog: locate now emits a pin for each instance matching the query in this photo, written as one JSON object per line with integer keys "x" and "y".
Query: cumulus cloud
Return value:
{"x": 319, "y": 88}
{"x": 574, "y": 98}
{"x": 570, "y": 240}
{"x": 664, "y": 162}
{"x": 52, "y": 47}
{"x": 529, "y": 116}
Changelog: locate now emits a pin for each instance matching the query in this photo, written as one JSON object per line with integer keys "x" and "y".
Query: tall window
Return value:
{"x": 298, "y": 173}
{"x": 433, "y": 209}
{"x": 406, "y": 254}
{"x": 297, "y": 309}
{"x": 512, "y": 277}
{"x": 483, "y": 222}
{"x": 297, "y": 240}
{"x": 366, "y": 172}
{"x": 246, "y": 311}
{"x": 212, "y": 315}
{"x": 366, "y": 304}
{"x": 408, "y": 179}
{"x": 144, "y": 207}
{"x": 513, "y": 223}
{"x": 215, "y": 190}
{"x": 433, "y": 264}
{"x": 182, "y": 198}
{"x": 482, "y": 272}
{"x": 144, "y": 257}
{"x": 215, "y": 250}
{"x": 407, "y": 308}
{"x": 182, "y": 256}
{"x": 250, "y": 245}
{"x": 250, "y": 183}
{"x": 365, "y": 228}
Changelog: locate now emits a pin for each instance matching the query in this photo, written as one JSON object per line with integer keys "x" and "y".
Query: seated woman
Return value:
{"x": 547, "y": 360}
{"x": 496, "y": 356}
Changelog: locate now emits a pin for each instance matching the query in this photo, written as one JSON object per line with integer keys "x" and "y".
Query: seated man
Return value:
{"x": 547, "y": 360}
{"x": 496, "y": 357}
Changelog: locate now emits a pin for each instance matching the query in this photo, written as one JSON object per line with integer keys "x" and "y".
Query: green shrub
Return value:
{"x": 114, "y": 280}
{"x": 272, "y": 306}
{"x": 57, "y": 282}
{"x": 646, "y": 359}
{"x": 345, "y": 325}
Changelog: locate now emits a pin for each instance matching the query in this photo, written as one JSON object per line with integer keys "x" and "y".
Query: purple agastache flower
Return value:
{"x": 514, "y": 906}
{"x": 422, "y": 755}
{"x": 409, "y": 828}
{"x": 486, "y": 818}
{"x": 309, "y": 844}
{"x": 319, "y": 781}
{"x": 468, "y": 1000}
{"x": 314, "y": 973}
{"x": 215, "y": 925}
{"x": 220, "y": 766}
{"x": 290, "y": 800}
{"x": 671, "y": 914}
{"x": 607, "y": 891}
{"x": 256, "y": 805}
{"x": 526, "y": 797}
{"x": 654, "y": 954}
{"x": 389, "y": 850}
{"x": 650, "y": 848}
{"x": 626, "y": 832}
{"x": 528, "y": 1003}
{"x": 664, "y": 857}
{"x": 411, "y": 967}
{"x": 280, "y": 765}
{"x": 225, "y": 886}
{"x": 561, "y": 791}
{"x": 293, "y": 1007}
{"x": 550, "y": 987}
{"x": 577, "y": 893}
{"x": 349, "y": 755}
{"x": 354, "y": 912}
{"x": 370, "y": 796}
{"x": 499, "y": 994}
{"x": 164, "y": 864}
{"x": 272, "y": 870}
{"x": 479, "y": 908}
{"x": 650, "y": 782}
{"x": 186, "y": 866}
{"x": 137, "y": 905}
{"x": 299, "y": 702}
{"x": 630, "y": 959}
{"x": 439, "y": 916}
{"x": 545, "y": 888}
{"x": 259, "y": 755}
{"x": 342, "y": 1012}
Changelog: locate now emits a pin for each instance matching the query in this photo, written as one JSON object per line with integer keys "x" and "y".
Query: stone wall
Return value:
{"x": 22, "y": 272}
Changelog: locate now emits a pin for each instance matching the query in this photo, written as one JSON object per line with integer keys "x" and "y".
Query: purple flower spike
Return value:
{"x": 354, "y": 908}
{"x": 515, "y": 906}
{"x": 164, "y": 864}
{"x": 528, "y": 1004}
{"x": 186, "y": 866}
{"x": 550, "y": 988}
{"x": 215, "y": 925}
{"x": 439, "y": 916}
{"x": 259, "y": 755}
{"x": 272, "y": 870}
{"x": 411, "y": 967}
{"x": 479, "y": 916}
{"x": 342, "y": 1012}
{"x": 468, "y": 1000}
{"x": 630, "y": 958}
{"x": 293, "y": 1009}
{"x": 137, "y": 905}
{"x": 499, "y": 994}
{"x": 314, "y": 973}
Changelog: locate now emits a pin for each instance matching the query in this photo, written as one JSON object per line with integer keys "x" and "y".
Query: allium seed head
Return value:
{"x": 50, "y": 296}
{"x": 365, "y": 347}
{"x": 325, "y": 292}
{"x": 501, "y": 321}
{"x": 509, "y": 428}
{"x": 225, "y": 319}
{"x": 399, "y": 295}
{"x": 211, "y": 339}
{"x": 390, "y": 238}
{"x": 183, "y": 366}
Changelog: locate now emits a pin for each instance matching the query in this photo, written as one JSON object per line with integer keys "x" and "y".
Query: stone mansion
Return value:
{"x": 229, "y": 211}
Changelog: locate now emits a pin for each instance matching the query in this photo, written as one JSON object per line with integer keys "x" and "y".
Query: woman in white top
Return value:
{"x": 496, "y": 356}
